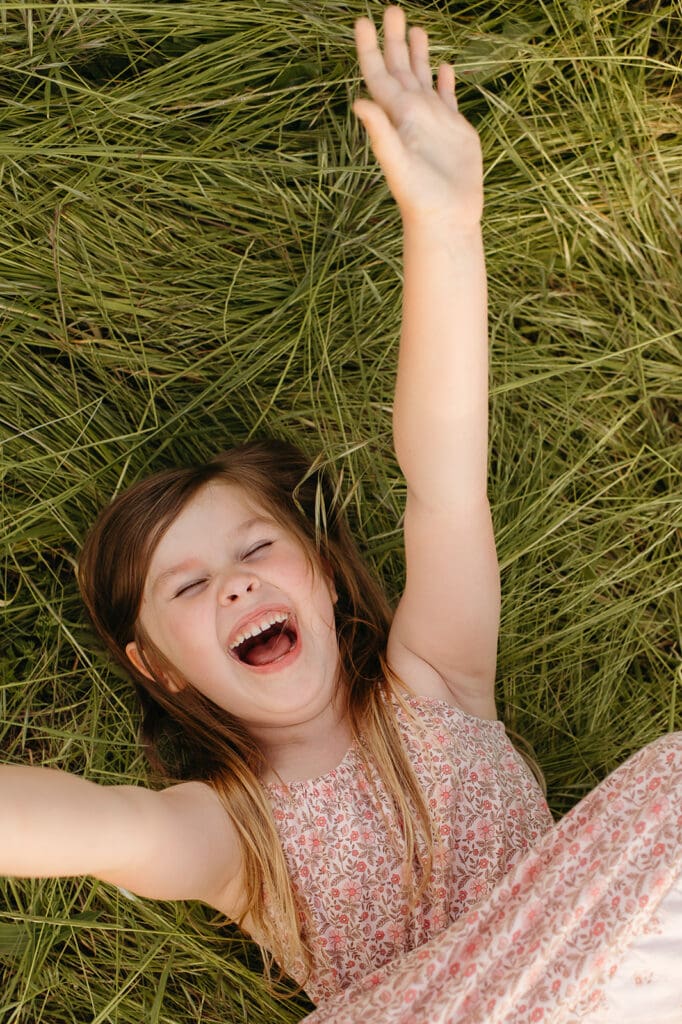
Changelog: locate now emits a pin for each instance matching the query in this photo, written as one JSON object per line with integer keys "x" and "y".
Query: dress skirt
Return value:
{"x": 586, "y": 927}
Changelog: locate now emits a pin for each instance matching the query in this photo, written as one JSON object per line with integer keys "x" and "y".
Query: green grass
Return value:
{"x": 196, "y": 249}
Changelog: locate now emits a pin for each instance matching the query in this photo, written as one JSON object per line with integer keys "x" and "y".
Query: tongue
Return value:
{"x": 271, "y": 649}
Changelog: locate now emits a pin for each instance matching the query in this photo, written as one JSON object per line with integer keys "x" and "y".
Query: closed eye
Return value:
{"x": 259, "y": 547}
{"x": 188, "y": 587}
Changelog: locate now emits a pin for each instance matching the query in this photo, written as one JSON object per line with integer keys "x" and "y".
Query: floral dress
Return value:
{"x": 521, "y": 920}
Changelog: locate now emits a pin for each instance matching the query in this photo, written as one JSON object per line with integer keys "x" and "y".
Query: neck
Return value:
{"x": 307, "y": 749}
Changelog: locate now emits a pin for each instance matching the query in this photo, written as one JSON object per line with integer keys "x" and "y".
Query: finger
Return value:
{"x": 396, "y": 54}
{"x": 382, "y": 87}
{"x": 445, "y": 85}
{"x": 419, "y": 57}
{"x": 383, "y": 137}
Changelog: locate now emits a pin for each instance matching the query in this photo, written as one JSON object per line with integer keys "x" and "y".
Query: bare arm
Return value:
{"x": 450, "y": 609}
{"x": 178, "y": 843}
{"x": 447, "y": 621}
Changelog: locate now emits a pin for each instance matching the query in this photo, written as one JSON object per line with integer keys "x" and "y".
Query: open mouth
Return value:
{"x": 269, "y": 645}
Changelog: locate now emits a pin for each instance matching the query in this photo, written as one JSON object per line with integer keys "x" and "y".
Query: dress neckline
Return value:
{"x": 348, "y": 764}
{"x": 351, "y": 760}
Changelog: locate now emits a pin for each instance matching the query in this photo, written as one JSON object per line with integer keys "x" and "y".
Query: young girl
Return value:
{"x": 347, "y": 792}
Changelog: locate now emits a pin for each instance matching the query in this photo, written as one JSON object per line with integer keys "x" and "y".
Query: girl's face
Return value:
{"x": 233, "y": 603}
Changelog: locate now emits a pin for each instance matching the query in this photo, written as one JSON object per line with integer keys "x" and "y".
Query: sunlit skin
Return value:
{"x": 227, "y": 566}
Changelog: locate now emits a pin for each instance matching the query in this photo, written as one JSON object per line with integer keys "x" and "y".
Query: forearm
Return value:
{"x": 440, "y": 417}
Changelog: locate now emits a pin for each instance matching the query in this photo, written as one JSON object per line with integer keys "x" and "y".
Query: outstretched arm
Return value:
{"x": 447, "y": 621}
{"x": 178, "y": 843}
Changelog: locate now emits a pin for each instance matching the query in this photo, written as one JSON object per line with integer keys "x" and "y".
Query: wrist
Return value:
{"x": 441, "y": 225}
{"x": 449, "y": 243}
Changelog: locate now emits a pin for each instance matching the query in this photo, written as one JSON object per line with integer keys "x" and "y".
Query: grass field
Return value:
{"x": 197, "y": 248}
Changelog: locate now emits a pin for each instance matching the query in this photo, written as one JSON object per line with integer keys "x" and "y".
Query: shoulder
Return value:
{"x": 447, "y": 734}
{"x": 183, "y": 844}
{"x": 436, "y": 728}
{"x": 477, "y": 749}
{"x": 418, "y": 712}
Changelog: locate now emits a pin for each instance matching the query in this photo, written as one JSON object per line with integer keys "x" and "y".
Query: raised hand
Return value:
{"x": 429, "y": 153}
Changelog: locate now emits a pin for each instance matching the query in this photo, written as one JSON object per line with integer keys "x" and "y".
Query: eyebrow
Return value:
{"x": 175, "y": 570}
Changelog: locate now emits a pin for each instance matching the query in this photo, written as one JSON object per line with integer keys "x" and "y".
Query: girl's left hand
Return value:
{"x": 429, "y": 153}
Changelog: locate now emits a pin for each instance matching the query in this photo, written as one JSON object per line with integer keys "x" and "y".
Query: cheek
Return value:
{"x": 179, "y": 635}
{"x": 293, "y": 574}
{"x": 324, "y": 603}
{"x": 312, "y": 589}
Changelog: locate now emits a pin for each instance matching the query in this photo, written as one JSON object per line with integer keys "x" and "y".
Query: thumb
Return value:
{"x": 383, "y": 137}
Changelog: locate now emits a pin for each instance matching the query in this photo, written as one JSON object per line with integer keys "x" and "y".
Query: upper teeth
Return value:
{"x": 256, "y": 628}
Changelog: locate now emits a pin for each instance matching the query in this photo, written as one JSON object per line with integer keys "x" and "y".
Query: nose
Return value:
{"x": 235, "y": 585}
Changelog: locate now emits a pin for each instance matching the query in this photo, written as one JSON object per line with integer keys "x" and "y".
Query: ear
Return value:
{"x": 135, "y": 658}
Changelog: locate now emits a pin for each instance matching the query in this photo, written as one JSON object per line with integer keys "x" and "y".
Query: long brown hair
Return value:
{"x": 186, "y": 736}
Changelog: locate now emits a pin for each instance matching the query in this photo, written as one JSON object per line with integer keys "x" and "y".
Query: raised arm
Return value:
{"x": 178, "y": 843}
{"x": 446, "y": 626}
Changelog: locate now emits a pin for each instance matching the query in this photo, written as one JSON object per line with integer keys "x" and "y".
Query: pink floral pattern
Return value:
{"x": 344, "y": 850}
{"x": 569, "y": 934}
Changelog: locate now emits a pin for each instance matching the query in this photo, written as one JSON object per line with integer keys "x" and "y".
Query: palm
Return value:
{"x": 429, "y": 153}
